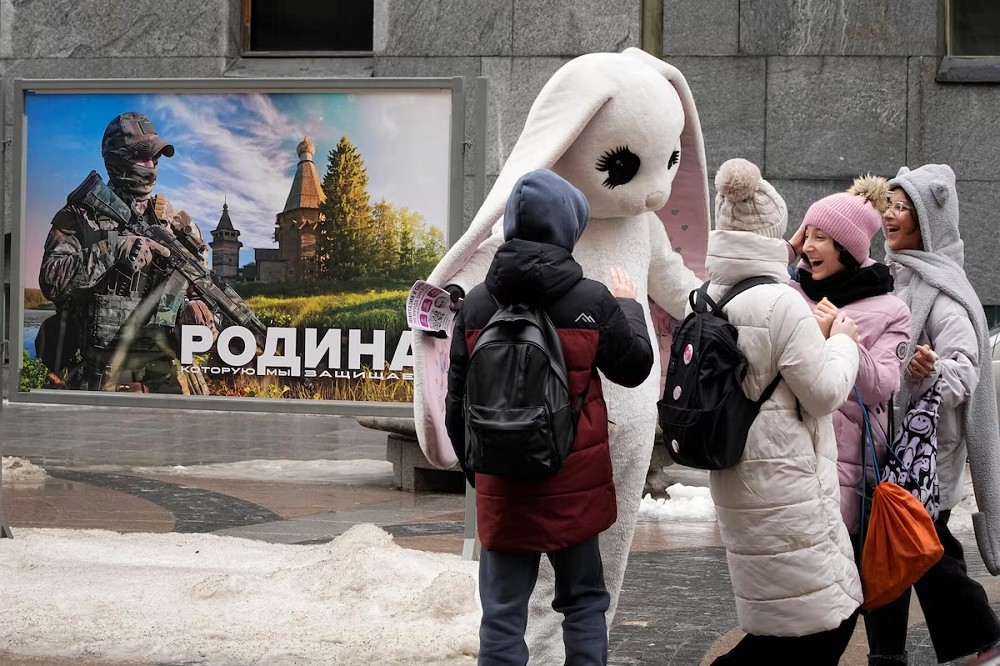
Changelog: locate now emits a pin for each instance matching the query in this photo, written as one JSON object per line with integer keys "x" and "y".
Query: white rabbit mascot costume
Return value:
{"x": 623, "y": 128}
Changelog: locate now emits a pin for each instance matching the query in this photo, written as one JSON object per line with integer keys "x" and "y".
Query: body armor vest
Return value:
{"x": 118, "y": 295}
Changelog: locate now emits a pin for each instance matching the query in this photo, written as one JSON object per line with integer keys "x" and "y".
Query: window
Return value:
{"x": 971, "y": 42}
{"x": 993, "y": 319}
{"x": 307, "y": 27}
{"x": 974, "y": 28}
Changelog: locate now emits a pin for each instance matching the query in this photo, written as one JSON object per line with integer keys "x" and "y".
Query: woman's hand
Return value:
{"x": 798, "y": 240}
{"x": 825, "y": 314}
{"x": 922, "y": 362}
{"x": 844, "y": 324}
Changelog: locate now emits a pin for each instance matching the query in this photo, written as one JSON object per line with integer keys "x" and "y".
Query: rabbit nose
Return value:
{"x": 656, "y": 200}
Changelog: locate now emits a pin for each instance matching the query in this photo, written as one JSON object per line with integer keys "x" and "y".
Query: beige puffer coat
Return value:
{"x": 789, "y": 553}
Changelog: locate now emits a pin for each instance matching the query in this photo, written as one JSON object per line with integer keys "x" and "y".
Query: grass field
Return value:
{"x": 372, "y": 309}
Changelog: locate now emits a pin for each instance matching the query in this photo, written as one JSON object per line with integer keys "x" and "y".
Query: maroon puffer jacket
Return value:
{"x": 597, "y": 332}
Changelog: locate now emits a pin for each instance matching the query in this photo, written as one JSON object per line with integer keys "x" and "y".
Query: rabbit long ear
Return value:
{"x": 563, "y": 108}
{"x": 560, "y": 112}
{"x": 686, "y": 215}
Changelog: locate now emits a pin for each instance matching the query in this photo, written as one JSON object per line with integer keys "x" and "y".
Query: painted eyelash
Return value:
{"x": 621, "y": 165}
{"x": 675, "y": 157}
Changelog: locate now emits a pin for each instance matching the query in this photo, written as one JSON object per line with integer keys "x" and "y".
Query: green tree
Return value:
{"x": 430, "y": 249}
{"x": 345, "y": 239}
{"x": 385, "y": 225}
{"x": 420, "y": 248}
{"x": 409, "y": 224}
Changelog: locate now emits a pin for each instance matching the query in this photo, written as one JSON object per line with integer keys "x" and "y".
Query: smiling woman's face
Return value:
{"x": 902, "y": 231}
{"x": 822, "y": 255}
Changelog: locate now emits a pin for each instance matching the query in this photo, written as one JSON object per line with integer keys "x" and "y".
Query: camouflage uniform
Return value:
{"x": 98, "y": 275}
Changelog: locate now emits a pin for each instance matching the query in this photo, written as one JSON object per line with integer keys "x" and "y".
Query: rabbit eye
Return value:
{"x": 621, "y": 165}
{"x": 674, "y": 159}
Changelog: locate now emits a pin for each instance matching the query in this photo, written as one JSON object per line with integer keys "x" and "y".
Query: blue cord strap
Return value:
{"x": 868, "y": 442}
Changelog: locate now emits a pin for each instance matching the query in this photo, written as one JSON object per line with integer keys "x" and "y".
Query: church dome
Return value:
{"x": 306, "y": 149}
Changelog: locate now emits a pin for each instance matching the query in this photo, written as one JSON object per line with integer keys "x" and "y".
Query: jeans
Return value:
{"x": 822, "y": 649}
{"x": 959, "y": 618}
{"x": 506, "y": 581}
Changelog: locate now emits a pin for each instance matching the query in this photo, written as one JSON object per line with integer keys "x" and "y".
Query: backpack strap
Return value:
{"x": 554, "y": 344}
{"x": 556, "y": 361}
{"x": 555, "y": 347}
{"x": 742, "y": 286}
{"x": 735, "y": 291}
{"x": 769, "y": 391}
{"x": 701, "y": 293}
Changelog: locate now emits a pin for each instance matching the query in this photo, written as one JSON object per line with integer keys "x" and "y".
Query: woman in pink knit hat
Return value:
{"x": 836, "y": 274}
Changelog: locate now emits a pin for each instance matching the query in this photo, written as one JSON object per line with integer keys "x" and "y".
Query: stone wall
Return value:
{"x": 817, "y": 92}
{"x": 814, "y": 92}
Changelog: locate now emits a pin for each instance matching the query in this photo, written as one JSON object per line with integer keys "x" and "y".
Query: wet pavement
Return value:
{"x": 114, "y": 468}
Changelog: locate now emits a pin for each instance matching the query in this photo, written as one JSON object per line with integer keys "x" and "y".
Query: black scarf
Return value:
{"x": 848, "y": 286}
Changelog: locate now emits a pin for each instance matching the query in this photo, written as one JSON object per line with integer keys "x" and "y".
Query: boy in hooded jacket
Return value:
{"x": 561, "y": 516}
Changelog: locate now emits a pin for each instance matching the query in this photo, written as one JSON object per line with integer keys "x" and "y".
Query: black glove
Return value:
{"x": 456, "y": 292}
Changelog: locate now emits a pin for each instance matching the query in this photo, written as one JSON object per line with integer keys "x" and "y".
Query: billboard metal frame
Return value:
{"x": 225, "y": 86}
{"x": 4, "y": 145}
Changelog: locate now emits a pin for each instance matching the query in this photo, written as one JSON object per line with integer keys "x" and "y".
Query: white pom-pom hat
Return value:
{"x": 744, "y": 201}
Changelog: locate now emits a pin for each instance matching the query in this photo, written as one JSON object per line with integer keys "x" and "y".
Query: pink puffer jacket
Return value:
{"x": 884, "y": 331}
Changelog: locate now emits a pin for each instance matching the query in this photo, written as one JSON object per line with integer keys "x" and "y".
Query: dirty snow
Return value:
{"x": 683, "y": 504}
{"x": 360, "y": 599}
{"x": 307, "y": 471}
{"x": 19, "y": 470}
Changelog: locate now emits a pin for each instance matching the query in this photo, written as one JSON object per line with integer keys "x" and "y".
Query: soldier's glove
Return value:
{"x": 136, "y": 252}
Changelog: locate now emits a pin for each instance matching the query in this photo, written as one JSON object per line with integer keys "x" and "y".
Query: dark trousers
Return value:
{"x": 506, "y": 581}
{"x": 959, "y": 618}
{"x": 822, "y": 649}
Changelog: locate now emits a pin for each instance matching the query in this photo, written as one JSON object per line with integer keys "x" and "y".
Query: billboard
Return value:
{"x": 217, "y": 240}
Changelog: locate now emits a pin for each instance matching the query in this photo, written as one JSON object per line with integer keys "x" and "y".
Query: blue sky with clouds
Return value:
{"x": 240, "y": 148}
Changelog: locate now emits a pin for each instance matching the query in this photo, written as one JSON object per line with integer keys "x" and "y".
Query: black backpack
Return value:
{"x": 518, "y": 418}
{"x": 704, "y": 413}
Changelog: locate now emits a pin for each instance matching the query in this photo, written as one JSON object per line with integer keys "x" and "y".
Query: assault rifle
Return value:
{"x": 185, "y": 250}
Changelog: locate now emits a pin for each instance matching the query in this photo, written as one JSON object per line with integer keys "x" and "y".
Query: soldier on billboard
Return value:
{"x": 119, "y": 306}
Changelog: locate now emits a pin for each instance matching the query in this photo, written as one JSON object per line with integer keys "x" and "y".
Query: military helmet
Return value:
{"x": 132, "y": 137}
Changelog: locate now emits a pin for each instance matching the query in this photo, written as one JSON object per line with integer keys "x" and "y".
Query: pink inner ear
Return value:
{"x": 662, "y": 325}
{"x": 685, "y": 219}
{"x": 435, "y": 371}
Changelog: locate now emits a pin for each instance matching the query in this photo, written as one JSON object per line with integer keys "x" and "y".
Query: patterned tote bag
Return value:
{"x": 912, "y": 461}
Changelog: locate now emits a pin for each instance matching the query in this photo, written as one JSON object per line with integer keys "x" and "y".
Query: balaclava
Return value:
{"x": 128, "y": 139}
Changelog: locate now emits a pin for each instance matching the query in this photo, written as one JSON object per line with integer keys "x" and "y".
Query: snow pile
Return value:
{"x": 17, "y": 470}
{"x": 308, "y": 471}
{"x": 213, "y": 600}
{"x": 685, "y": 504}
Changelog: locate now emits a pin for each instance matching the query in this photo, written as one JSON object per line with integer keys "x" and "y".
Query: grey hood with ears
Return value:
{"x": 932, "y": 190}
{"x": 938, "y": 272}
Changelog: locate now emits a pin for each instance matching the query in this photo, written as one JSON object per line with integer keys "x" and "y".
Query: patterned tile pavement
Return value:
{"x": 676, "y": 607}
